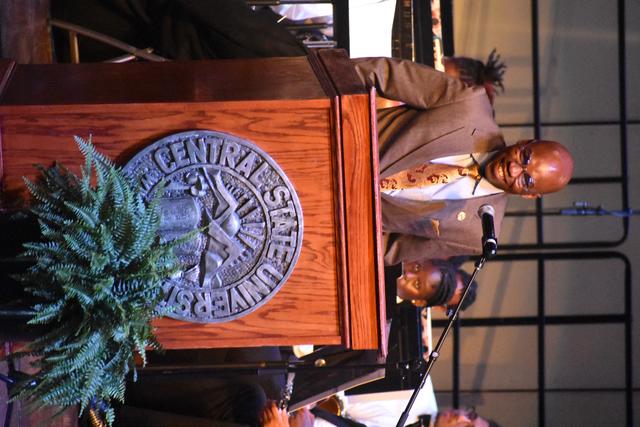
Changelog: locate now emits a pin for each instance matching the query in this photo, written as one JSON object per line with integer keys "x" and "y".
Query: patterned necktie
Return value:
{"x": 429, "y": 174}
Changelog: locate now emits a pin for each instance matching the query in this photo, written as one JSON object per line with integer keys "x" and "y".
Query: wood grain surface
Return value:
{"x": 341, "y": 231}
{"x": 377, "y": 216}
{"x": 295, "y": 134}
{"x": 365, "y": 297}
{"x": 175, "y": 81}
{"x": 360, "y": 228}
{"x": 321, "y": 141}
{"x": 341, "y": 71}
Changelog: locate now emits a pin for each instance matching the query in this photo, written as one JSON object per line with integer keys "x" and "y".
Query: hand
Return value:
{"x": 272, "y": 416}
{"x": 302, "y": 418}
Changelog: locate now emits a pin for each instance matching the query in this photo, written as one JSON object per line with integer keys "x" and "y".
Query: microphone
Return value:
{"x": 489, "y": 242}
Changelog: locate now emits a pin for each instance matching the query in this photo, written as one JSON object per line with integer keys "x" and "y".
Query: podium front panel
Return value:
{"x": 302, "y": 134}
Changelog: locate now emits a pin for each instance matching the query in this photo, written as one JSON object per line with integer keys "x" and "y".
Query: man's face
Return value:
{"x": 530, "y": 168}
{"x": 460, "y": 418}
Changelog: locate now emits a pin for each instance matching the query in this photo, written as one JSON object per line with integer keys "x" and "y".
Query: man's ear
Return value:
{"x": 531, "y": 196}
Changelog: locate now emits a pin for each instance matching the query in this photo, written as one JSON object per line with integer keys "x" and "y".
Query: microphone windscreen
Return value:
{"x": 486, "y": 209}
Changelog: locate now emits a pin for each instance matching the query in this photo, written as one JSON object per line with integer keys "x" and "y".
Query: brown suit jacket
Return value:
{"x": 441, "y": 117}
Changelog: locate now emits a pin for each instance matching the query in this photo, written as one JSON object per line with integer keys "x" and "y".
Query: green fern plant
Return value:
{"x": 98, "y": 271}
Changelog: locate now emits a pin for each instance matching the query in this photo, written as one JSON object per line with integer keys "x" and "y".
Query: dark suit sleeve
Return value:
{"x": 415, "y": 84}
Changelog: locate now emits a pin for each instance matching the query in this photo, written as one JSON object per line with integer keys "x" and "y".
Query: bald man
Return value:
{"x": 442, "y": 157}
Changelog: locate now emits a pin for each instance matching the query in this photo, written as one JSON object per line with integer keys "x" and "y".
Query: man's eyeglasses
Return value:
{"x": 525, "y": 159}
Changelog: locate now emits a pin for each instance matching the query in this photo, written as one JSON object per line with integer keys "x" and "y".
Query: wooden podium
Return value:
{"x": 310, "y": 114}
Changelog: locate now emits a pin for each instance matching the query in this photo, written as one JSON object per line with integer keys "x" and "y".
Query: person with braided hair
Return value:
{"x": 436, "y": 283}
{"x": 473, "y": 72}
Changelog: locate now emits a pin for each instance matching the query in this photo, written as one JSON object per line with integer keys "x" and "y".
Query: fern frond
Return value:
{"x": 87, "y": 216}
{"x": 98, "y": 268}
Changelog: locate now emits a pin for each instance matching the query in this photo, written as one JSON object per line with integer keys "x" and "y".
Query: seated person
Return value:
{"x": 435, "y": 282}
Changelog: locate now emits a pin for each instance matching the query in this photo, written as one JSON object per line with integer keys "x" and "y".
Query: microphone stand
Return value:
{"x": 581, "y": 208}
{"x": 435, "y": 353}
{"x": 584, "y": 209}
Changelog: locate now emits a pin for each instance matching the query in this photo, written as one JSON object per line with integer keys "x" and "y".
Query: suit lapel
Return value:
{"x": 414, "y": 137}
{"x": 451, "y": 143}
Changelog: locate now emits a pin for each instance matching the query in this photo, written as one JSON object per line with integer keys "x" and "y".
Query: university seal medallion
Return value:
{"x": 247, "y": 213}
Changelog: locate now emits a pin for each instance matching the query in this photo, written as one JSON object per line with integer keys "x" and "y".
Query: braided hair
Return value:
{"x": 476, "y": 73}
{"x": 449, "y": 269}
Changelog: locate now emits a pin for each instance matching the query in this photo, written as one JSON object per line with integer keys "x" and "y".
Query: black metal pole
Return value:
{"x": 341, "y": 23}
{"x": 435, "y": 353}
{"x": 541, "y": 345}
{"x": 446, "y": 20}
{"x": 456, "y": 364}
